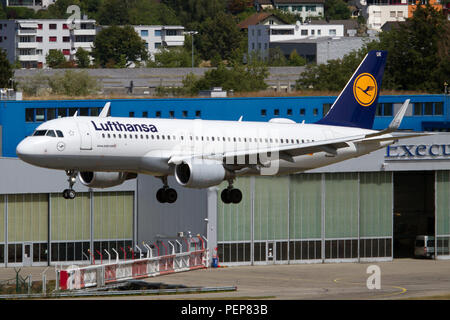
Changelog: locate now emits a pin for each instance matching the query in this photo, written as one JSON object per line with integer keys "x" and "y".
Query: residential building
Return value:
{"x": 29, "y": 41}
{"x": 157, "y": 37}
{"x": 263, "y": 37}
{"x": 33, "y": 4}
{"x": 303, "y": 8}
{"x": 412, "y": 5}
{"x": 379, "y": 14}
{"x": 264, "y": 18}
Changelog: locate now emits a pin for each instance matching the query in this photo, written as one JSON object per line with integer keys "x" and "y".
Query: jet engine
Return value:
{"x": 104, "y": 179}
{"x": 200, "y": 173}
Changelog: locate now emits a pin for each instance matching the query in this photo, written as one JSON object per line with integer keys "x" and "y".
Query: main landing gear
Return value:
{"x": 70, "y": 193}
{"x": 166, "y": 194}
{"x": 231, "y": 195}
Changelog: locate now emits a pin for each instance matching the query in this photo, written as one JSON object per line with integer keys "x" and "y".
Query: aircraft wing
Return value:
{"x": 285, "y": 152}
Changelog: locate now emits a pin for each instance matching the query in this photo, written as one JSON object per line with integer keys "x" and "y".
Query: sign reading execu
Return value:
{"x": 418, "y": 152}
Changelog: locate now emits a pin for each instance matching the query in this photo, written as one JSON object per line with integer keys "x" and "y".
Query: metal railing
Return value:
{"x": 106, "y": 273}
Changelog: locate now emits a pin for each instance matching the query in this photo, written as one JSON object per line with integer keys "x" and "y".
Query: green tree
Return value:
{"x": 194, "y": 12}
{"x": 218, "y": 36}
{"x": 296, "y": 60}
{"x": 115, "y": 44}
{"x": 2, "y": 13}
{"x": 177, "y": 57}
{"x": 6, "y": 70}
{"x": 418, "y": 52}
{"x": 82, "y": 58}
{"x": 55, "y": 59}
{"x": 277, "y": 58}
{"x": 337, "y": 10}
{"x": 113, "y": 12}
{"x": 238, "y": 6}
{"x": 238, "y": 77}
{"x": 73, "y": 83}
{"x": 149, "y": 12}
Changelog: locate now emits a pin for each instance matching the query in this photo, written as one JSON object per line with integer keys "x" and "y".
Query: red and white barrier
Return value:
{"x": 99, "y": 275}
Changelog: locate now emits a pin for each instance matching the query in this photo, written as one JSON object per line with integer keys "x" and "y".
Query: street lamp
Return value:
{"x": 192, "y": 33}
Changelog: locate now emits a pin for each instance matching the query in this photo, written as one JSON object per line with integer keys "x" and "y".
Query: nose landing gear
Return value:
{"x": 70, "y": 193}
{"x": 166, "y": 194}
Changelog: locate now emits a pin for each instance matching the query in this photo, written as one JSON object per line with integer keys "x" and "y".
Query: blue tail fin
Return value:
{"x": 356, "y": 105}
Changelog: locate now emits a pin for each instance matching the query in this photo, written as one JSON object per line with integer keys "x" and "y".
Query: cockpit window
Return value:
{"x": 51, "y": 133}
{"x": 40, "y": 133}
{"x": 60, "y": 134}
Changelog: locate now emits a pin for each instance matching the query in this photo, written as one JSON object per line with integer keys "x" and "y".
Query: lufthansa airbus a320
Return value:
{"x": 105, "y": 151}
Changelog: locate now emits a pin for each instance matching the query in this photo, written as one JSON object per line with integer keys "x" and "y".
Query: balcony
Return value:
{"x": 26, "y": 32}
{"x": 85, "y": 45}
{"x": 26, "y": 45}
{"x": 84, "y": 32}
{"x": 173, "y": 40}
{"x": 30, "y": 57}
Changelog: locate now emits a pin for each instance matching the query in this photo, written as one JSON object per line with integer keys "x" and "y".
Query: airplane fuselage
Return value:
{"x": 144, "y": 145}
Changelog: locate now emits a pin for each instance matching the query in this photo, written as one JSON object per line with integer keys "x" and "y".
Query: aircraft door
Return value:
{"x": 85, "y": 136}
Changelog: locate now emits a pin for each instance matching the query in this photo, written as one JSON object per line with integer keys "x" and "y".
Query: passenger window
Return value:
{"x": 60, "y": 134}
{"x": 114, "y": 135}
{"x": 51, "y": 133}
{"x": 120, "y": 136}
{"x": 109, "y": 136}
{"x": 103, "y": 135}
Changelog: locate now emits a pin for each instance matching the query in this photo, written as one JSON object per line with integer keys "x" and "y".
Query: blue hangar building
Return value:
{"x": 367, "y": 209}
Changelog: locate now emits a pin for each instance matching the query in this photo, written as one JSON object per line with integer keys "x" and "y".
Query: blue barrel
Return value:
{"x": 215, "y": 262}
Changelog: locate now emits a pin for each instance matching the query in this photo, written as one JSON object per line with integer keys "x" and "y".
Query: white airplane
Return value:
{"x": 105, "y": 151}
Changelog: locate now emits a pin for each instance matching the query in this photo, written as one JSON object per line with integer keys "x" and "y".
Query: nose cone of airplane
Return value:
{"x": 23, "y": 149}
{"x": 27, "y": 151}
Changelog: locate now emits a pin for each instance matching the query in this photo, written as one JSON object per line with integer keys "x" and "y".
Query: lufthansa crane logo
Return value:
{"x": 365, "y": 89}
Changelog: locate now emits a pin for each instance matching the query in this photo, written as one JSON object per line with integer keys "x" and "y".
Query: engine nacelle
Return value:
{"x": 200, "y": 173}
{"x": 104, "y": 179}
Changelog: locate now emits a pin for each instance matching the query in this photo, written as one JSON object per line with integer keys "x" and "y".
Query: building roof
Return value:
{"x": 256, "y": 19}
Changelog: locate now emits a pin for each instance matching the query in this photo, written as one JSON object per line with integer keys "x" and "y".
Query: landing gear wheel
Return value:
{"x": 168, "y": 195}
{"x": 231, "y": 195}
{"x": 235, "y": 195}
{"x": 225, "y": 196}
{"x": 69, "y": 194}
{"x": 160, "y": 196}
{"x": 72, "y": 194}
{"x": 171, "y": 195}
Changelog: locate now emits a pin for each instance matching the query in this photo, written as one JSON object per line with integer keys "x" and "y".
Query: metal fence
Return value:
{"x": 99, "y": 275}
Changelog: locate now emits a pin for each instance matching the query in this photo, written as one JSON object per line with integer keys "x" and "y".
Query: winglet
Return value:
{"x": 240, "y": 119}
{"x": 398, "y": 117}
{"x": 75, "y": 114}
{"x": 395, "y": 123}
{"x": 105, "y": 110}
